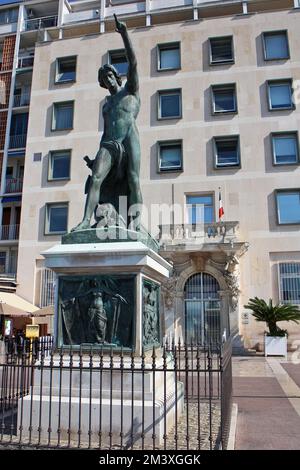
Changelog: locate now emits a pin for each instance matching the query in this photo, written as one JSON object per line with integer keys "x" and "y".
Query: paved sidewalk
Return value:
{"x": 267, "y": 391}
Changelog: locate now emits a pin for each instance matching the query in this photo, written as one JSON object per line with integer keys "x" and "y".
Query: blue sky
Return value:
{"x": 6, "y": 2}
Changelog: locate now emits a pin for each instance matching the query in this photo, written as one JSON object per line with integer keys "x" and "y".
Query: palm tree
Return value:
{"x": 271, "y": 314}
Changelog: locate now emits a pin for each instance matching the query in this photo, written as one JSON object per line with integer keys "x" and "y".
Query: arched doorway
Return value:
{"x": 202, "y": 309}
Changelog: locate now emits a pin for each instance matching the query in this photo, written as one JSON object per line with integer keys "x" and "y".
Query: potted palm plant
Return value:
{"x": 276, "y": 337}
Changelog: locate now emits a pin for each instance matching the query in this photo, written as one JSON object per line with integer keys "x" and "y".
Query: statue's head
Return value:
{"x": 105, "y": 71}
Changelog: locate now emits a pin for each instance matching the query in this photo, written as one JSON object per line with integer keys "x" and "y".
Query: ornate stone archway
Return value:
{"x": 173, "y": 294}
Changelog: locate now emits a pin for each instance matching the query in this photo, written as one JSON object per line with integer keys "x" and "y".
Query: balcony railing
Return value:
{"x": 40, "y": 23}
{"x": 21, "y": 100}
{"x": 25, "y": 62}
{"x": 215, "y": 232}
{"x": 9, "y": 232}
{"x": 17, "y": 141}
{"x": 14, "y": 185}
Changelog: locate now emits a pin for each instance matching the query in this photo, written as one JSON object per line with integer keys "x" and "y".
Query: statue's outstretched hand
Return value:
{"x": 120, "y": 27}
{"x": 89, "y": 162}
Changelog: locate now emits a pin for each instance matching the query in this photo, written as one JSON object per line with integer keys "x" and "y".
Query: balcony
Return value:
{"x": 9, "y": 232}
{"x": 205, "y": 237}
{"x": 40, "y": 23}
{"x": 17, "y": 141}
{"x": 13, "y": 185}
{"x": 21, "y": 100}
{"x": 25, "y": 62}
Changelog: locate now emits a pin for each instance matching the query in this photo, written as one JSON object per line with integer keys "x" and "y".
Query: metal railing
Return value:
{"x": 13, "y": 185}
{"x": 17, "y": 141}
{"x": 176, "y": 397}
{"x": 24, "y": 62}
{"x": 21, "y": 100}
{"x": 9, "y": 232}
{"x": 40, "y": 23}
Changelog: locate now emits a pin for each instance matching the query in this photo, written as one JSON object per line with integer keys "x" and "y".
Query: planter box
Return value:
{"x": 275, "y": 346}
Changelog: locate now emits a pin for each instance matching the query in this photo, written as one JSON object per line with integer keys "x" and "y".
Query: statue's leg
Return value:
{"x": 101, "y": 168}
{"x": 133, "y": 150}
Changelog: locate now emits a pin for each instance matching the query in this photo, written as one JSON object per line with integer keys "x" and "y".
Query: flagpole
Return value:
{"x": 221, "y": 209}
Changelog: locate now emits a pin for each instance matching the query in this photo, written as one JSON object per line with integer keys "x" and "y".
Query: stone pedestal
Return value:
{"x": 91, "y": 403}
{"x": 125, "y": 279}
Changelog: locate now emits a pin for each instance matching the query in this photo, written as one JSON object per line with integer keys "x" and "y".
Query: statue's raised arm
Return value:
{"x": 132, "y": 75}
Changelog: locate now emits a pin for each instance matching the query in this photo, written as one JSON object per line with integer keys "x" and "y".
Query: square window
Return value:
{"x": 280, "y": 95}
{"x": 59, "y": 165}
{"x": 170, "y": 156}
{"x": 169, "y": 106}
{"x": 168, "y": 56}
{"x": 224, "y": 98}
{"x": 227, "y": 152}
{"x": 288, "y": 206}
{"x": 118, "y": 59}
{"x": 221, "y": 50}
{"x": 65, "y": 69}
{"x": 285, "y": 148}
{"x": 276, "y": 45}
{"x": 63, "y": 116}
{"x": 56, "y": 218}
{"x": 200, "y": 209}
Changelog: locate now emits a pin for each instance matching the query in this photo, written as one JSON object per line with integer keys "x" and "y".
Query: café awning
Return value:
{"x": 15, "y": 306}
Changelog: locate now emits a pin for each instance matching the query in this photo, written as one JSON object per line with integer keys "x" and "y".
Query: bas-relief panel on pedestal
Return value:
{"x": 96, "y": 310}
{"x": 151, "y": 317}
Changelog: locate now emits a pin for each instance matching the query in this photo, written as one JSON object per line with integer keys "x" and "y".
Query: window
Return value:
{"x": 221, "y": 50}
{"x": 227, "y": 152}
{"x": 56, "y": 218}
{"x": 280, "y": 94}
{"x": 9, "y": 16}
{"x": 169, "y": 105}
{"x": 63, "y": 116}
{"x": 276, "y": 46}
{"x": 224, "y": 98}
{"x": 288, "y": 206}
{"x": 18, "y": 130}
{"x": 289, "y": 283}
{"x": 47, "y": 287}
{"x": 59, "y": 165}
{"x": 118, "y": 59}
{"x": 170, "y": 156}
{"x": 285, "y": 148}
{"x": 65, "y": 69}
{"x": 2, "y": 261}
{"x": 168, "y": 56}
{"x": 200, "y": 209}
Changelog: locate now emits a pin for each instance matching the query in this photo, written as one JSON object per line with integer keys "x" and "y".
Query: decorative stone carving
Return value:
{"x": 231, "y": 275}
{"x": 169, "y": 291}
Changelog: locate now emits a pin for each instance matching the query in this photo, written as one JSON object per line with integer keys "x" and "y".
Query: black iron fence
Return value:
{"x": 20, "y": 345}
{"x": 176, "y": 397}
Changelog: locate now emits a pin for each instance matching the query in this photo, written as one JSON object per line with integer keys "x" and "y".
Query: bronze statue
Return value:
{"x": 115, "y": 170}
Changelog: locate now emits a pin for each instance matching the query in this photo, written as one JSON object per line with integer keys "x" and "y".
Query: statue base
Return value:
{"x": 141, "y": 408}
{"x": 111, "y": 290}
{"x": 112, "y": 234}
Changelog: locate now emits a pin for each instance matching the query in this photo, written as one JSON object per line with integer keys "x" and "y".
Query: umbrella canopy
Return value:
{"x": 14, "y": 306}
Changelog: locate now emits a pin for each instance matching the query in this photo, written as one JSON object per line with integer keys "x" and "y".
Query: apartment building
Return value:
{"x": 220, "y": 90}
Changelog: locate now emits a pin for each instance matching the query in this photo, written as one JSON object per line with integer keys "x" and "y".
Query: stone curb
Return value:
{"x": 233, "y": 425}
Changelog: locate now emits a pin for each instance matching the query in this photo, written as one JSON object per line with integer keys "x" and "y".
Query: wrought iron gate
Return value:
{"x": 202, "y": 309}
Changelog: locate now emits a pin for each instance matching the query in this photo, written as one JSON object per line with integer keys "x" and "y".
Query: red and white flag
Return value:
{"x": 221, "y": 210}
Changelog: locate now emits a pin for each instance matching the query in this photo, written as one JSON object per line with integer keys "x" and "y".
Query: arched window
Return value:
{"x": 202, "y": 309}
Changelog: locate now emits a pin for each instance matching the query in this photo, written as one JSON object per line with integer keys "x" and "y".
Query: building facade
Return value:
{"x": 219, "y": 119}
